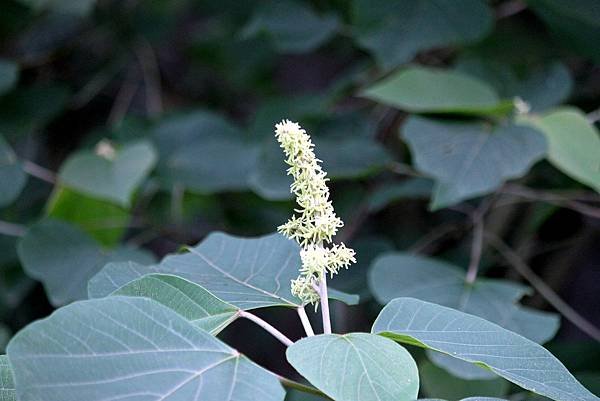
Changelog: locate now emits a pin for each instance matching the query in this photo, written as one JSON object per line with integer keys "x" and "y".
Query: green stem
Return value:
{"x": 301, "y": 387}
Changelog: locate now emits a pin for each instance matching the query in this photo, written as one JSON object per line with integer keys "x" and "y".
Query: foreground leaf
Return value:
{"x": 64, "y": 258}
{"x": 7, "y": 383}
{"x": 131, "y": 348}
{"x": 114, "y": 179}
{"x": 12, "y": 176}
{"x": 476, "y": 340}
{"x": 573, "y": 144}
{"x": 395, "y": 275}
{"x": 356, "y": 367}
{"x": 394, "y": 30}
{"x": 439, "y": 149}
{"x": 428, "y": 90}
{"x": 189, "y": 300}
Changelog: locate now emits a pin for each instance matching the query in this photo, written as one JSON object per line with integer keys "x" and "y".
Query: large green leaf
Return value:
{"x": 473, "y": 339}
{"x": 7, "y": 384}
{"x": 291, "y": 26}
{"x": 576, "y": 23}
{"x": 64, "y": 258}
{"x": 131, "y": 348}
{"x": 412, "y": 188}
{"x": 395, "y": 31}
{"x": 107, "y": 177}
{"x": 573, "y": 144}
{"x": 103, "y": 220}
{"x": 203, "y": 152}
{"x": 470, "y": 159}
{"x": 189, "y": 300}
{"x": 436, "y": 382}
{"x": 246, "y": 272}
{"x": 397, "y": 274}
{"x": 429, "y": 90}
{"x": 12, "y": 176}
{"x": 9, "y": 73}
{"x": 356, "y": 367}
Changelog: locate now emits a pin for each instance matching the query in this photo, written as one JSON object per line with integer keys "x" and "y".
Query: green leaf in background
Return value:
{"x": 12, "y": 176}
{"x": 9, "y": 74}
{"x": 107, "y": 176}
{"x": 395, "y": 275}
{"x": 203, "y": 152}
{"x": 79, "y": 7}
{"x": 356, "y": 367}
{"x": 104, "y": 221}
{"x": 4, "y": 338}
{"x": 7, "y": 383}
{"x": 189, "y": 300}
{"x": 476, "y": 340}
{"x": 245, "y": 272}
{"x": 291, "y": 26}
{"x": 470, "y": 159}
{"x": 429, "y": 90}
{"x": 436, "y": 382}
{"x": 541, "y": 87}
{"x": 151, "y": 353}
{"x": 412, "y": 188}
{"x": 573, "y": 144}
{"x": 576, "y": 23}
{"x": 30, "y": 108}
{"x": 395, "y": 31}
{"x": 64, "y": 258}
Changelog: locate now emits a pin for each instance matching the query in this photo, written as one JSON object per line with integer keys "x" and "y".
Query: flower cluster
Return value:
{"x": 317, "y": 222}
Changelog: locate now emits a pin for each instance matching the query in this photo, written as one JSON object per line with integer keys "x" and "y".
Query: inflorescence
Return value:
{"x": 317, "y": 222}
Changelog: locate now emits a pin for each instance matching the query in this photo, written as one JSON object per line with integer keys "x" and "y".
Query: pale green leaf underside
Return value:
{"x": 248, "y": 273}
{"x": 356, "y": 367}
{"x": 469, "y": 159}
{"x": 64, "y": 258}
{"x": 427, "y": 90}
{"x": 123, "y": 348}
{"x": 7, "y": 384}
{"x": 573, "y": 145}
{"x": 191, "y": 301}
{"x": 395, "y": 275}
{"x": 476, "y": 340}
{"x": 112, "y": 180}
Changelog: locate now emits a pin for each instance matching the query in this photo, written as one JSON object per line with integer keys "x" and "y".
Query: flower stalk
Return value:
{"x": 315, "y": 224}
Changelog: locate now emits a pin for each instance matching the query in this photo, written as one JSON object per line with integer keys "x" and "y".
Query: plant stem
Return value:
{"x": 476, "y": 249}
{"x": 39, "y": 172}
{"x": 325, "y": 304}
{"x": 548, "y": 293}
{"x": 305, "y": 322}
{"x": 272, "y": 330}
{"x": 11, "y": 229}
{"x": 301, "y": 387}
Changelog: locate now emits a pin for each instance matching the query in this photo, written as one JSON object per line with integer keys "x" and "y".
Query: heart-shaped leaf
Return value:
{"x": 7, "y": 383}
{"x": 573, "y": 144}
{"x": 356, "y": 367}
{"x": 469, "y": 159}
{"x": 395, "y": 31}
{"x": 64, "y": 258}
{"x": 246, "y": 272}
{"x": 131, "y": 348}
{"x": 429, "y": 90}
{"x": 113, "y": 178}
{"x": 395, "y": 275}
{"x": 189, "y": 300}
{"x": 473, "y": 339}
{"x": 12, "y": 176}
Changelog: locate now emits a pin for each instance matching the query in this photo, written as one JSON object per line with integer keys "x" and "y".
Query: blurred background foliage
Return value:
{"x": 460, "y": 137}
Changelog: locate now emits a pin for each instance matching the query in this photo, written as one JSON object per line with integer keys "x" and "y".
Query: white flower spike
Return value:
{"x": 317, "y": 222}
